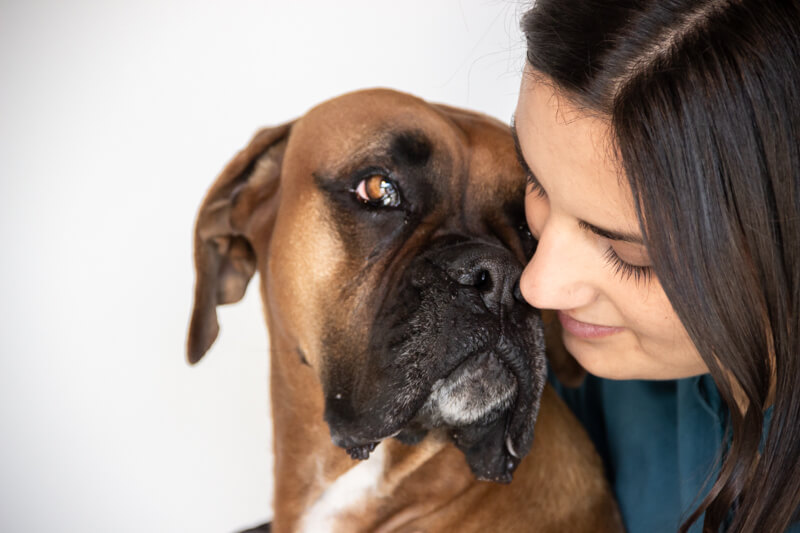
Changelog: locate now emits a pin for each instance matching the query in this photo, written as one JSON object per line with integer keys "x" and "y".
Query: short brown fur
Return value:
{"x": 265, "y": 214}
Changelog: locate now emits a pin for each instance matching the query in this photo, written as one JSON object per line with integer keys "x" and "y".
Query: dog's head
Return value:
{"x": 389, "y": 236}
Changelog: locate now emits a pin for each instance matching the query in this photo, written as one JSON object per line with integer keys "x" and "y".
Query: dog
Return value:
{"x": 407, "y": 373}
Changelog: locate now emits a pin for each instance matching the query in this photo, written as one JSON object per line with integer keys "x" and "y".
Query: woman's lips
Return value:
{"x": 585, "y": 330}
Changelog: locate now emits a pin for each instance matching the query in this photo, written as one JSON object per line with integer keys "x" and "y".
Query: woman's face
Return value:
{"x": 590, "y": 263}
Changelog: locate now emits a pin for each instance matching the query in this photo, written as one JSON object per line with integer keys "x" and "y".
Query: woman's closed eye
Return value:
{"x": 625, "y": 254}
{"x": 627, "y": 270}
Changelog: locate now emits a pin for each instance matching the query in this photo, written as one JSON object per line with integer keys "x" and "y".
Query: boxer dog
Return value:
{"x": 406, "y": 371}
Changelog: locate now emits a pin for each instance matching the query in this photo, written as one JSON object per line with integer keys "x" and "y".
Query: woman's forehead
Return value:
{"x": 571, "y": 153}
{"x": 579, "y": 136}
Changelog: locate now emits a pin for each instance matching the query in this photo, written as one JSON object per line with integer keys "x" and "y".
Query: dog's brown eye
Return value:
{"x": 379, "y": 191}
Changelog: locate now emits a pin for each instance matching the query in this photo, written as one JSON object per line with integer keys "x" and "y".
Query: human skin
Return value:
{"x": 618, "y": 322}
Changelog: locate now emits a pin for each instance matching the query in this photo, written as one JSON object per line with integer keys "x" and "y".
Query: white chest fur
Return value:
{"x": 348, "y": 492}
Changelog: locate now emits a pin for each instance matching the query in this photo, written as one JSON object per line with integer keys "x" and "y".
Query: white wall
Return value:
{"x": 114, "y": 119}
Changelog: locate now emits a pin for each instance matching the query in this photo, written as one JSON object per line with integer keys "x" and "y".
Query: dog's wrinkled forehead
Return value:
{"x": 454, "y": 150}
{"x": 347, "y": 137}
{"x": 390, "y": 147}
{"x": 373, "y": 121}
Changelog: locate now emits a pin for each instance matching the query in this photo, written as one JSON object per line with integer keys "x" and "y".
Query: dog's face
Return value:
{"x": 389, "y": 235}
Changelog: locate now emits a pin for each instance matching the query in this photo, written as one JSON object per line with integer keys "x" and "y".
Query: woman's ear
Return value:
{"x": 223, "y": 257}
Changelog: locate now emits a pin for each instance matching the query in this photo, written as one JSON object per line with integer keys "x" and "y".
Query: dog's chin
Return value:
{"x": 477, "y": 391}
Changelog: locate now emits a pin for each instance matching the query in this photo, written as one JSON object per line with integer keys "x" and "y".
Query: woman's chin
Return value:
{"x": 600, "y": 359}
{"x": 620, "y": 359}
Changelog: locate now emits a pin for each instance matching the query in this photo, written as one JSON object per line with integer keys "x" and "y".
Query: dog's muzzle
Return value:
{"x": 454, "y": 346}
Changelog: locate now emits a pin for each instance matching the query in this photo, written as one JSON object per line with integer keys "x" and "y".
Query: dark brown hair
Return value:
{"x": 704, "y": 99}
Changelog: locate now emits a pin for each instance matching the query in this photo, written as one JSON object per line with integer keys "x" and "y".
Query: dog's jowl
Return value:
{"x": 389, "y": 235}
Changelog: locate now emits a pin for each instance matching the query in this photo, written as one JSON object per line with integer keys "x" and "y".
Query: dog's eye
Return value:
{"x": 528, "y": 241}
{"x": 378, "y": 190}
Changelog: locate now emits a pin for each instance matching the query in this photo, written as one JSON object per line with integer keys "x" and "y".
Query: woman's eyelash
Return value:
{"x": 535, "y": 186}
{"x": 626, "y": 270}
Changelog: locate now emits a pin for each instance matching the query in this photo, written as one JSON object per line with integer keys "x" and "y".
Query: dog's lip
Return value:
{"x": 352, "y": 443}
{"x": 348, "y": 442}
{"x": 464, "y": 365}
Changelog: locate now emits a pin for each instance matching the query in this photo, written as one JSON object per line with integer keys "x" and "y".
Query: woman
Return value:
{"x": 662, "y": 140}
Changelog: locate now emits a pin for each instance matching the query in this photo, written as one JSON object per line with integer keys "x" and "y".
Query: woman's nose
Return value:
{"x": 556, "y": 276}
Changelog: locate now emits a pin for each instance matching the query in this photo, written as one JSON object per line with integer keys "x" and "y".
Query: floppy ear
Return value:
{"x": 223, "y": 257}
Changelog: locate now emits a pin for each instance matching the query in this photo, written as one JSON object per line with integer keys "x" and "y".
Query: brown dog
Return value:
{"x": 389, "y": 235}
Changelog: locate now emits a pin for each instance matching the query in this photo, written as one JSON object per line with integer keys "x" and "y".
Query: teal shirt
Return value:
{"x": 660, "y": 442}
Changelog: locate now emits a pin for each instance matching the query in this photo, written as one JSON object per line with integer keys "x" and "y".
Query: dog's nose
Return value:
{"x": 495, "y": 280}
{"x": 489, "y": 269}
{"x": 495, "y": 275}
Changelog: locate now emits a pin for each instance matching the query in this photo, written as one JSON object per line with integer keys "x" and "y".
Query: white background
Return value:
{"x": 115, "y": 117}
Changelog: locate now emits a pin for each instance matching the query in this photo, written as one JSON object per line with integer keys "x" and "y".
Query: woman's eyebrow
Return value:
{"x": 529, "y": 175}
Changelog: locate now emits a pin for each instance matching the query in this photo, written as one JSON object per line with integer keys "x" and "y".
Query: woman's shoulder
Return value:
{"x": 655, "y": 437}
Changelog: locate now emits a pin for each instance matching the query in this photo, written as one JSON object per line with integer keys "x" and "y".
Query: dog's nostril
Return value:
{"x": 483, "y": 281}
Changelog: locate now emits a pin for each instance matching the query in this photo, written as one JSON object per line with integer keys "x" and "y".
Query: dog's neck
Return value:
{"x": 317, "y": 484}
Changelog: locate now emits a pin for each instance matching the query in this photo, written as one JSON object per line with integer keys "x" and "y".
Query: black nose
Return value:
{"x": 490, "y": 269}
{"x": 495, "y": 278}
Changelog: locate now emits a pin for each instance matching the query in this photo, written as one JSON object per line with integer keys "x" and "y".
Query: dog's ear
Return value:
{"x": 567, "y": 370}
{"x": 223, "y": 257}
